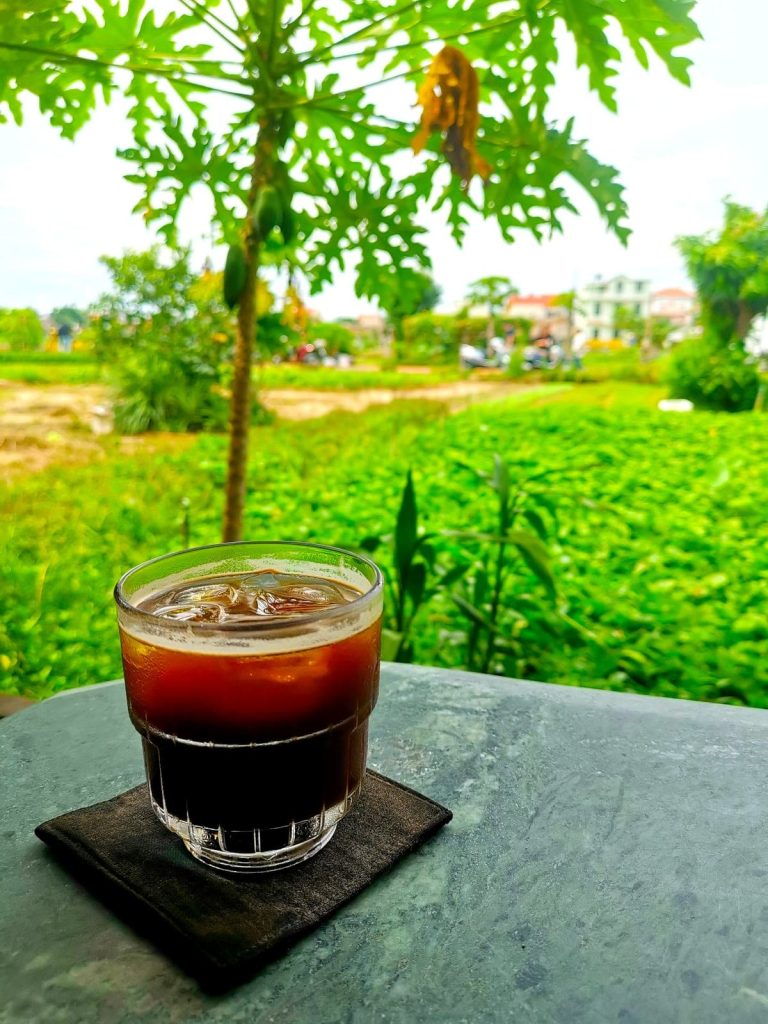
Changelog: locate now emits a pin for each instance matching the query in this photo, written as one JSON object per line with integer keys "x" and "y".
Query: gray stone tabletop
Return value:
{"x": 607, "y": 863}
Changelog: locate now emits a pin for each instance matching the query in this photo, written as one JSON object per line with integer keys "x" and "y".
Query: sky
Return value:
{"x": 679, "y": 151}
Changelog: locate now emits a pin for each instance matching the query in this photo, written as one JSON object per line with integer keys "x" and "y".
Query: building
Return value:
{"x": 530, "y": 307}
{"x": 543, "y": 311}
{"x": 596, "y": 305}
{"x": 368, "y": 327}
{"x": 678, "y": 306}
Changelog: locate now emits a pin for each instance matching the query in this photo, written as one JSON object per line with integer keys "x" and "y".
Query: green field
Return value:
{"x": 656, "y": 525}
{"x": 82, "y": 368}
{"x": 324, "y": 378}
{"x": 49, "y": 368}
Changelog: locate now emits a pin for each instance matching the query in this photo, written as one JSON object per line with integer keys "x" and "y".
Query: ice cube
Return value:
{"x": 270, "y": 593}
{"x": 205, "y": 593}
{"x": 192, "y": 612}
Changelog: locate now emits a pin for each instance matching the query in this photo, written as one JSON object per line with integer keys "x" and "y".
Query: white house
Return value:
{"x": 597, "y": 302}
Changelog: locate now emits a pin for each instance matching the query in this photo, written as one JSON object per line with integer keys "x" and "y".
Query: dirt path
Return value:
{"x": 295, "y": 404}
{"x": 45, "y": 423}
{"x": 40, "y": 424}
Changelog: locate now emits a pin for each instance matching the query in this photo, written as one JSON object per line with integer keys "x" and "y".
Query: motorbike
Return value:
{"x": 535, "y": 358}
{"x": 472, "y": 357}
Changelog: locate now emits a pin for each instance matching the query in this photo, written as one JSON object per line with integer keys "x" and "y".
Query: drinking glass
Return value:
{"x": 254, "y": 728}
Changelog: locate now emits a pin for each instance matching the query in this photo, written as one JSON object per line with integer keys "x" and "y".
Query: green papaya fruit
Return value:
{"x": 287, "y": 225}
{"x": 234, "y": 275}
{"x": 267, "y": 210}
{"x": 283, "y": 183}
{"x": 285, "y": 126}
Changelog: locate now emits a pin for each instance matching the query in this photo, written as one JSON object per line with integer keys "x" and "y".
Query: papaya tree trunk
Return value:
{"x": 240, "y": 407}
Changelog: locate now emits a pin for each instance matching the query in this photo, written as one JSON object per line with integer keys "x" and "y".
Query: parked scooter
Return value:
{"x": 496, "y": 356}
{"x": 538, "y": 356}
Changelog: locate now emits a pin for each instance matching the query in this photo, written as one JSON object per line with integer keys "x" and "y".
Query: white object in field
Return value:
{"x": 101, "y": 419}
{"x": 675, "y": 405}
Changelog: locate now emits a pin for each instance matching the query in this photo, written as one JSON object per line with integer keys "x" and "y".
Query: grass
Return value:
{"x": 81, "y": 368}
{"x": 624, "y": 364}
{"x": 49, "y": 368}
{"x": 655, "y": 523}
{"x": 325, "y": 378}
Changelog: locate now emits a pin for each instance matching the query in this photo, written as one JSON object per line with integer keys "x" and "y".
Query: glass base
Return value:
{"x": 259, "y": 849}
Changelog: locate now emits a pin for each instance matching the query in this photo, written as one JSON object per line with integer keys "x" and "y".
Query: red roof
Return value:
{"x": 673, "y": 293}
{"x": 530, "y": 300}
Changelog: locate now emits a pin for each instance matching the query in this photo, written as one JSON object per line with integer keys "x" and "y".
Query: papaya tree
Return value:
{"x": 277, "y": 110}
{"x": 493, "y": 292}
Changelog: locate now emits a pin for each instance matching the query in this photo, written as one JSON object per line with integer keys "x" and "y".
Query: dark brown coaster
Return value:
{"x": 224, "y": 928}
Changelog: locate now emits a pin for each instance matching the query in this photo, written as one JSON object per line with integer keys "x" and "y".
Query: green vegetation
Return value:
{"x": 713, "y": 376}
{"x": 435, "y": 337}
{"x": 399, "y": 306}
{"x": 730, "y": 270}
{"x": 165, "y": 336}
{"x": 279, "y": 132}
{"x": 335, "y": 337}
{"x": 325, "y": 378}
{"x": 20, "y": 330}
{"x": 83, "y": 368}
{"x": 654, "y": 523}
{"x": 49, "y": 368}
{"x": 621, "y": 364}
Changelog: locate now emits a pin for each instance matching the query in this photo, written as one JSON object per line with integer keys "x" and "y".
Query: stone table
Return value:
{"x": 607, "y": 863}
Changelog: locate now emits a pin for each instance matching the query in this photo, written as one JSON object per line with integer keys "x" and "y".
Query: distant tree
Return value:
{"x": 730, "y": 270}
{"x": 493, "y": 292}
{"x": 490, "y": 291}
{"x": 627, "y": 321}
{"x": 422, "y": 299}
{"x": 336, "y": 336}
{"x": 69, "y": 316}
{"x": 565, "y": 300}
{"x": 659, "y": 330}
{"x": 429, "y": 297}
{"x": 21, "y": 330}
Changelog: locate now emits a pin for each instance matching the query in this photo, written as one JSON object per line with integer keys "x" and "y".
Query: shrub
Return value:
{"x": 20, "y": 330}
{"x": 597, "y": 366}
{"x": 435, "y": 337}
{"x": 168, "y": 392}
{"x": 712, "y": 375}
{"x": 337, "y": 337}
{"x": 166, "y": 339}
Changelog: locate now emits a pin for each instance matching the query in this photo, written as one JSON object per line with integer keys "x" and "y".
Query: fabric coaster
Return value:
{"x": 224, "y": 928}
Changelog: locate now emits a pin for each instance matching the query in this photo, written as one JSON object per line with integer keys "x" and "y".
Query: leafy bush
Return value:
{"x": 337, "y": 337}
{"x": 168, "y": 391}
{"x": 20, "y": 330}
{"x": 713, "y": 375}
{"x": 435, "y": 337}
{"x": 620, "y": 363}
{"x": 166, "y": 338}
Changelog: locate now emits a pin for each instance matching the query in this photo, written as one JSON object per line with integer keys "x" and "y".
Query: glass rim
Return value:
{"x": 266, "y": 624}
